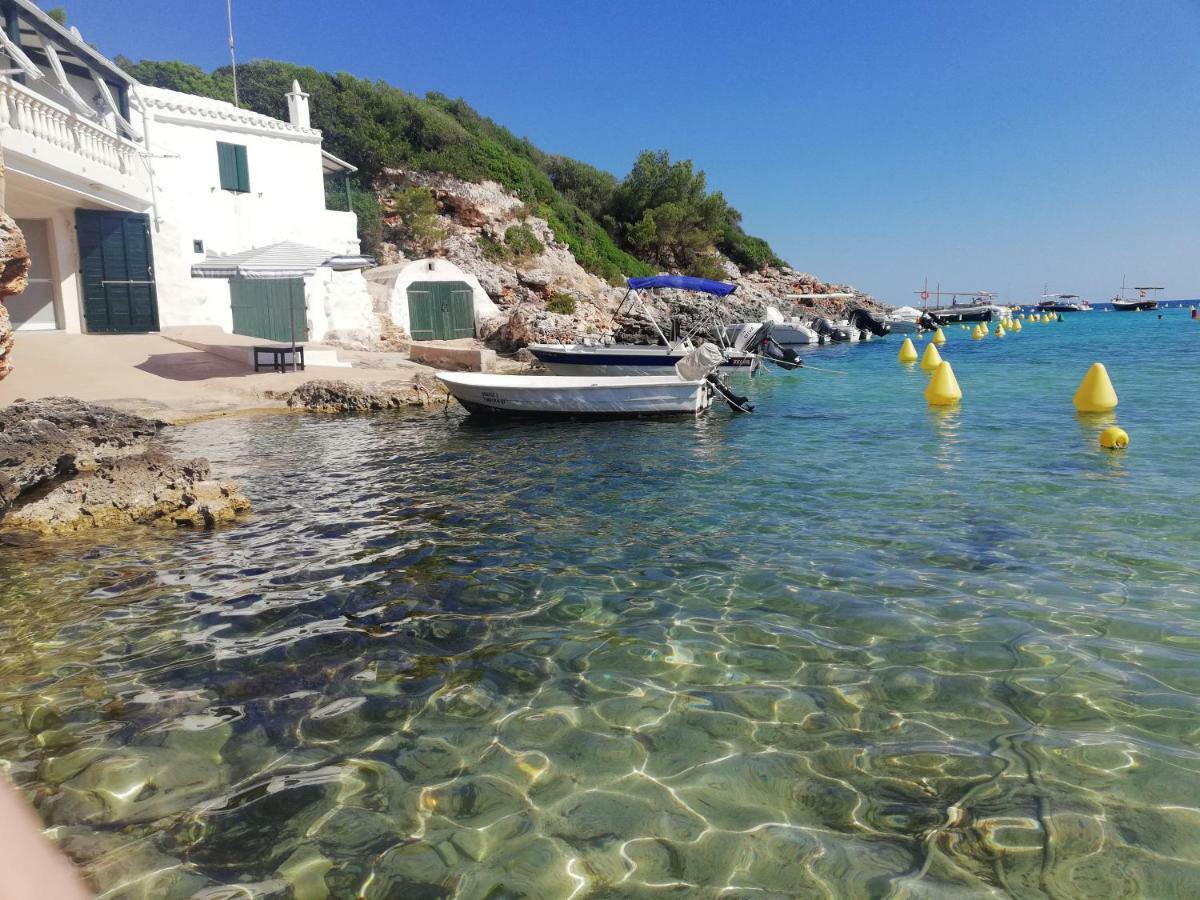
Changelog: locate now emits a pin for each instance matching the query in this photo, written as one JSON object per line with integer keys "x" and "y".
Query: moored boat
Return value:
{"x": 576, "y": 395}
{"x": 689, "y": 389}
{"x": 1143, "y": 299}
{"x": 1063, "y": 303}
{"x": 641, "y": 359}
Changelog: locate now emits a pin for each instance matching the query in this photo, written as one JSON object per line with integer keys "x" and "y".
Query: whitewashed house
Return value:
{"x": 133, "y": 198}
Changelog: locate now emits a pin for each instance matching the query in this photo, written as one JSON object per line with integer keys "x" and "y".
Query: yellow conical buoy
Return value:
{"x": 932, "y": 359}
{"x": 1000, "y": 332}
{"x": 977, "y": 334}
{"x": 1114, "y": 438}
{"x": 1096, "y": 392}
{"x": 943, "y": 389}
{"x": 908, "y": 353}
{"x": 1016, "y": 326}
{"x": 938, "y": 338}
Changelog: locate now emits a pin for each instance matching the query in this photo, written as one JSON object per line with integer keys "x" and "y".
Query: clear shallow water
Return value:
{"x": 845, "y": 647}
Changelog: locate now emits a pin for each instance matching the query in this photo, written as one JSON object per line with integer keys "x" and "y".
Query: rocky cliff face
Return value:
{"x": 14, "y": 276}
{"x": 475, "y": 219}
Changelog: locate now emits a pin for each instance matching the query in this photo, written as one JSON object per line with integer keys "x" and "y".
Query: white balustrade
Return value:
{"x": 25, "y": 111}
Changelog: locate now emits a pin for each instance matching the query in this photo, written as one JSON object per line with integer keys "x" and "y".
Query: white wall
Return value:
{"x": 336, "y": 308}
{"x": 286, "y": 200}
{"x": 396, "y": 279}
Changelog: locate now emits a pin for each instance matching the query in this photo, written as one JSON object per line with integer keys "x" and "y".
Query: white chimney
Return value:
{"x": 298, "y": 107}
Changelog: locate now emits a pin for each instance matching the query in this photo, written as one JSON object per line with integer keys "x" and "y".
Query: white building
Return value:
{"x": 130, "y": 197}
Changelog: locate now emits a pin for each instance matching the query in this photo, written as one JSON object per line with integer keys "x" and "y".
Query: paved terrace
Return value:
{"x": 156, "y": 376}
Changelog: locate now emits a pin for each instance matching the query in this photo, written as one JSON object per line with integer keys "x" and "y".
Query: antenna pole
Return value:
{"x": 232, "y": 56}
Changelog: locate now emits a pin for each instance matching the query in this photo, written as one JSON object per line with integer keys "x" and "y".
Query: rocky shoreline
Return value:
{"x": 69, "y": 466}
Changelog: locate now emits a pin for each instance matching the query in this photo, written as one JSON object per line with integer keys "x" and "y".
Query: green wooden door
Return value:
{"x": 269, "y": 308}
{"x": 440, "y": 310}
{"x": 117, "y": 267}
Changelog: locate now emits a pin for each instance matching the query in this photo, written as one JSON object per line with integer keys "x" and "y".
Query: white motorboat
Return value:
{"x": 1063, "y": 303}
{"x": 905, "y": 320}
{"x": 790, "y": 332}
{"x": 576, "y": 395}
{"x": 689, "y": 389}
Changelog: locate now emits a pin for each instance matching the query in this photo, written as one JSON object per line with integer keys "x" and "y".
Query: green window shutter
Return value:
{"x": 231, "y": 162}
{"x": 227, "y": 165}
{"x": 243, "y": 171}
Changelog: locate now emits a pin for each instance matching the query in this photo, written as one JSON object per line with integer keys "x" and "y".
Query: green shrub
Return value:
{"x": 418, "y": 227}
{"x": 492, "y": 250}
{"x": 561, "y": 303}
{"x": 521, "y": 240}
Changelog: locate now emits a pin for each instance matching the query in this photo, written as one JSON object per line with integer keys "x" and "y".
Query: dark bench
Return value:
{"x": 278, "y": 358}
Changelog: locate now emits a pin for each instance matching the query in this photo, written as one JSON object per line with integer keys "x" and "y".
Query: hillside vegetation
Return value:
{"x": 660, "y": 216}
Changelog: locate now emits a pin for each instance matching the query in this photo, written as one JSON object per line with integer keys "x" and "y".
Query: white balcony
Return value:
{"x": 64, "y": 149}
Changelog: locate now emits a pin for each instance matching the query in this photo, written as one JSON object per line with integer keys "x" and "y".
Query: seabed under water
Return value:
{"x": 848, "y": 646}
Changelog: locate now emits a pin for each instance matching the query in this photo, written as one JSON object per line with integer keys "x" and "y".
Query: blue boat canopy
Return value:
{"x": 683, "y": 282}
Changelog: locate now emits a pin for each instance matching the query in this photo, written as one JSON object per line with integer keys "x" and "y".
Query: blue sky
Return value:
{"x": 982, "y": 145}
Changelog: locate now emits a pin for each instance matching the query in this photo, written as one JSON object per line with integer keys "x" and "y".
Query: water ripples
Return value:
{"x": 822, "y": 652}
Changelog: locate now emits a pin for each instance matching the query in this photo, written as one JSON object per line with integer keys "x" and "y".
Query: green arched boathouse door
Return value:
{"x": 440, "y": 310}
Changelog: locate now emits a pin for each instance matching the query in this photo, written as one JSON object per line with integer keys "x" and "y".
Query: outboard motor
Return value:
{"x": 829, "y": 331}
{"x": 736, "y": 402}
{"x": 784, "y": 357}
{"x": 864, "y": 320}
{"x": 931, "y": 322}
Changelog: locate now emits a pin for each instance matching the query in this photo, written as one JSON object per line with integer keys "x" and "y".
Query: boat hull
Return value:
{"x": 1136, "y": 306}
{"x": 965, "y": 314}
{"x": 612, "y": 361}
{"x": 554, "y": 396}
{"x": 787, "y": 334}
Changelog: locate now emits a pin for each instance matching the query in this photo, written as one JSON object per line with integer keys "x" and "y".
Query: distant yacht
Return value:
{"x": 1064, "y": 303}
{"x": 980, "y": 306}
{"x": 1142, "y": 301}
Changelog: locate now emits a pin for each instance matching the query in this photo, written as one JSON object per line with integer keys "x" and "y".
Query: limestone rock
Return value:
{"x": 343, "y": 396}
{"x": 59, "y": 436}
{"x": 97, "y": 467}
{"x": 147, "y": 488}
{"x": 14, "y": 276}
{"x": 6, "y": 342}
{"x": 14, "y": 258}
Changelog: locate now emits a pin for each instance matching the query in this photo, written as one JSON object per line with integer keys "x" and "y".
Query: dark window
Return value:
{"x": 231, "y": 161}
{"x": 197, "y": 246}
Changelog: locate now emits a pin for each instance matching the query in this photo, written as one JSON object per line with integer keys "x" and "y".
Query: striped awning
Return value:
{"x": 283, "y": 260}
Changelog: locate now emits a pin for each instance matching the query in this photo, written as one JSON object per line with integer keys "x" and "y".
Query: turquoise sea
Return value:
{"x": 848, "y": 646}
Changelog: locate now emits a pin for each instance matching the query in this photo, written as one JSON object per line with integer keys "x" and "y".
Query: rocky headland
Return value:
{"x": 532, "y": 289}
{"x": 69, "y": 466}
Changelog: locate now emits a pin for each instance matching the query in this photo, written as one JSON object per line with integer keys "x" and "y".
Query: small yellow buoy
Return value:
{"x": 1096, "y": 392}
{"x": 908, "y": 353}
{"x": 1000, "y": 332}
{"x": 1114, "y": 438}
{"x": 932, "y": 359}
{"x": 1016, "y": 326}
{"x": 977, "y": 334}
{"x": 943, "y": 389}
{"x": 938, "y": 338}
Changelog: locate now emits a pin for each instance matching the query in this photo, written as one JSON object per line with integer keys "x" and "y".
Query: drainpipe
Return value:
{"x": 146, "y": 118}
